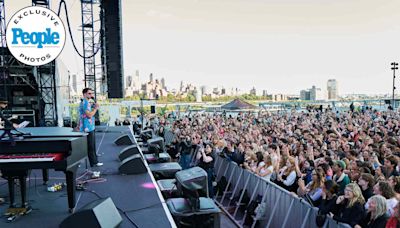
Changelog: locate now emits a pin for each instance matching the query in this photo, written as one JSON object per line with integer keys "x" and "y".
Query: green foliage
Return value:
{"x": 249, "y": 97}
{"x": 104, "y": 116}
{"x": 73, "y": 108}
{"x": 191, "y": 98}
{"x": 162, "y": 110}
{"x": 170, "y": 98}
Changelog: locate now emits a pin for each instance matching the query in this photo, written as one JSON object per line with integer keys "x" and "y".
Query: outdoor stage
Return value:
{"x": 134, "y": 194}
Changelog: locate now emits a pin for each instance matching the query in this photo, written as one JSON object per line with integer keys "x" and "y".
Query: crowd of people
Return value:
{"x": 346, "y": 163}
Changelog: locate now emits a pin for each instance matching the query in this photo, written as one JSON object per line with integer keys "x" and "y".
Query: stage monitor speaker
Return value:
{"x": 193, "y": 179}
{"x": 128, "y": 151}
{"x": 123, "y": 140}
{"x": 113, "y": 47}
{"x": 133, "y": 165}
{"x": 99, "y": 213}
{"x": 208, "y": 214}
{"x": 164, "y": 170}
{"x": 153, "y": 109}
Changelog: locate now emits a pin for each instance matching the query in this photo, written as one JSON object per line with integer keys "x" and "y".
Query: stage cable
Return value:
{"x": 70, "y": 31}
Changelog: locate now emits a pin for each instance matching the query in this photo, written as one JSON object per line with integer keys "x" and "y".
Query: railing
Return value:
{"x": 282, "y": 208}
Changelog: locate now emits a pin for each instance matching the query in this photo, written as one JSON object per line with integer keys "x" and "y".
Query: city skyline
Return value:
{"x": 329, "y": 89}
{"x": 279, "y": 46}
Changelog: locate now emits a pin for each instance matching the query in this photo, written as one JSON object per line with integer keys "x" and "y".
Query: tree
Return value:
{"x": 170, "y": 98}
{"x": 190, "y": 98}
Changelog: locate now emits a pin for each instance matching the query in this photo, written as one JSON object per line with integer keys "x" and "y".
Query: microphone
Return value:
{"x": 94, "y": 102}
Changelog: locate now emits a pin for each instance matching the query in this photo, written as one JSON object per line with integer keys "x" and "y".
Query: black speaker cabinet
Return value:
{"x": 99, "y": 213}
{"x": 113, "y": 47}
{"x": 208, "y": 214}
{"x": 128, "y": 151}
{"x": 133, "y": 165}
{"x": 164, "y": 170}
{"x": 162, "y": 157}
{"x": 123, "y": 140}
{"x": 193, "y": 178}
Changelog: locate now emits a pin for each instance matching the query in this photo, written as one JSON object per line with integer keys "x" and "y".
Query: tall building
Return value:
{"x": 74, "y": 84}
{"x": 223, "y": 91}
{"x": 198, "y": 95}
{"x": 128, "y": 82}
{"x": 136, "y": 82}
{"x": 332, "y": 87}
{"x": 128, "y": 86}
{"x": 181, "y": 87}
{"x": 279, "y": 97}
{"x": 313, "y": 94}
{"x": 265, "y": 93}
{"x": 316, "y": 94}
{"x": 163, "y": 83}
{"x": 253, "y": 91}
{"x": 305, "y": 95}
{"x": 231, "y": 92}
{"x": 152, "y": 89}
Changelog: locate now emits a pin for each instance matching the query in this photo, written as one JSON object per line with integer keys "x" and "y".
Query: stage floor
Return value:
{"x": 134, "y": 194}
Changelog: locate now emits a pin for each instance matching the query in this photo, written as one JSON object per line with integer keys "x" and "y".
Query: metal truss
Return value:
{"x": 3, "y": 24}
{"x": 47, "y": 84}
{"x": 89, "y": 46}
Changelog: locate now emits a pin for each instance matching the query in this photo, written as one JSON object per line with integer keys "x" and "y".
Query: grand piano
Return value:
{"x": 43, "y": 148}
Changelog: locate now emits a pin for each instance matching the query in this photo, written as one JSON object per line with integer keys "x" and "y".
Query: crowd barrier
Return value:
{"x": 282, "y": 208}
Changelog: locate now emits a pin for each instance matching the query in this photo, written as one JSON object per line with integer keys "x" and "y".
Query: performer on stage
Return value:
{"x": 87, "y": 124}
{"x": 6, "y": 123}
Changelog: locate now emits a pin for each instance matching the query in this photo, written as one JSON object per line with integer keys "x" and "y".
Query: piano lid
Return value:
{"x": 44, "y": 145}
{"x": 39, "y": 132}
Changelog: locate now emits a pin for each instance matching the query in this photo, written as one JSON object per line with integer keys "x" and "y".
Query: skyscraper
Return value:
{"x": 253, "y": 91}
{"x": 332, "y": 89}
{"x": 265, "y": 93}
{"x": 305, "y": 95}
{"x": 74, "y": 84}
{"x": 313, "y": 94}
{"x": 136, "y": 82}
{"x": 181, "y": 87}
{"x": 198, "y": 94}
{"x": 128, "y": 82}
{"x": 162, "y": 83}
{"x": 316, "y": 94}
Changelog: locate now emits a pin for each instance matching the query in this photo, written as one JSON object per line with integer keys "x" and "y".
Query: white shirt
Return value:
{"x": 290, "y": 179}
{"x": 270, "y": 169}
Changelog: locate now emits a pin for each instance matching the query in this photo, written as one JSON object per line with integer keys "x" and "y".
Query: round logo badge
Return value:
{"x": 35, "y": 35}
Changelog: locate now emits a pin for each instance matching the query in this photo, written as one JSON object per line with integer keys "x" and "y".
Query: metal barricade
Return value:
{"x": 282, "y": 208}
